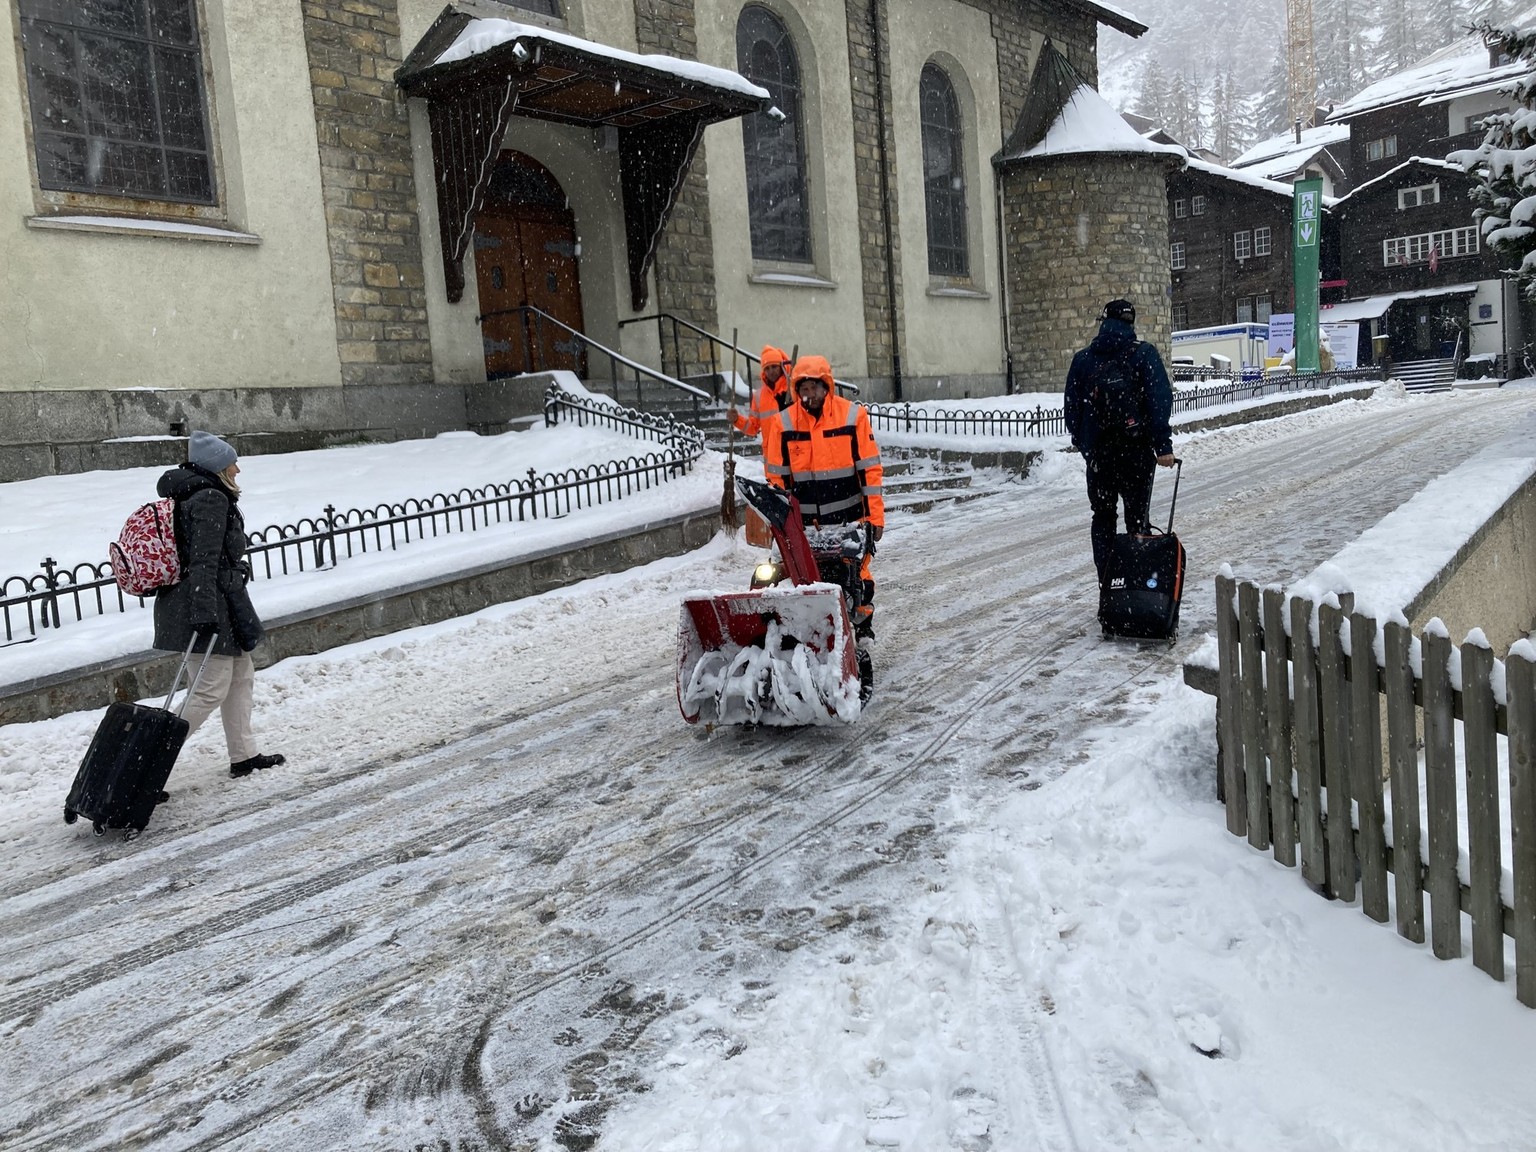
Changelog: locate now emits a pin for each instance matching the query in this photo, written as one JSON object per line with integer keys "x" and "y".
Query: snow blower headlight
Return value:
{"x": 766, "y": 574}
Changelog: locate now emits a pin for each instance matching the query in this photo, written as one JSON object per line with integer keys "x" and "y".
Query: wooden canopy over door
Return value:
{"x": 473, "y": 86}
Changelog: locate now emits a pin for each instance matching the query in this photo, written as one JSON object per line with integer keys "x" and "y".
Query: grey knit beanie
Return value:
{"x": 207, "y": 451}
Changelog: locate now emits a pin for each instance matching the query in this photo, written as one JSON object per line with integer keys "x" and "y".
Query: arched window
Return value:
{"x": 943, "y": 176}
{"x": 777, "y": 204}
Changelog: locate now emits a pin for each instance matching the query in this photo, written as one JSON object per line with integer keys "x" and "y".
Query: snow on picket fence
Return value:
{"x": 1315, "y": 754}
{"x": 45, "y": 599}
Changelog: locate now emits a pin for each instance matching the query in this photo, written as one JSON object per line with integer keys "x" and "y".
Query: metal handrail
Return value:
{"x": 532, "y": 331}
{"x": 319, "y": 542}
{"x": 754, "y": 363}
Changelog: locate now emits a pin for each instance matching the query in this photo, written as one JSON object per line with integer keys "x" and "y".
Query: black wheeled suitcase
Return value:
{"x": 1144, "y": 581}
{"x": 130, "y": 758}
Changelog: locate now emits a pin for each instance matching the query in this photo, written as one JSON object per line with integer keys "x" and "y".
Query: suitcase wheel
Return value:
{"x": 98, "y": 827}
{"x": 70, "y": 815}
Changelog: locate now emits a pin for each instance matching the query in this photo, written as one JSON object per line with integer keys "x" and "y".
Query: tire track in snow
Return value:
{"x": 889, "y": 718}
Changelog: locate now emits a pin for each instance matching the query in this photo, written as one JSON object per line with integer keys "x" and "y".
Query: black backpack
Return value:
{"x": 1118, "y": 397}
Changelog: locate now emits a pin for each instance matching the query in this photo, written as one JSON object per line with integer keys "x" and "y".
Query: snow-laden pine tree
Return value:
{"x": 1506, "y": 163}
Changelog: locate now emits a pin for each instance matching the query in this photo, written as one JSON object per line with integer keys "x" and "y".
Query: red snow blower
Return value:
{"x": 774, "y": 654}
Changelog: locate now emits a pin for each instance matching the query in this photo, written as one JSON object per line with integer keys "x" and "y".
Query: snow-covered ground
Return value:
{"x": 501, "y": 897}
{"x": 72, "y": 518}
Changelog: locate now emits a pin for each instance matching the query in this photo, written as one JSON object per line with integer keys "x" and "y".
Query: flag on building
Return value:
{"x": 1434, "y": 257}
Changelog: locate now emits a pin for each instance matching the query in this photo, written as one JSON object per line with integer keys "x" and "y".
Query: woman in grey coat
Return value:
{"x": 210, "y": 598}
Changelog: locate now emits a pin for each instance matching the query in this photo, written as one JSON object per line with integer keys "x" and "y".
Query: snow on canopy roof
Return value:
{"x": 1451, "y": 70}
{"x": 484, "y": 34}
{"x": 1412, "y": 161}
{"x": 1370, "y": 307}
{"x": 1281, "y": 148}
{"x": 1117, "y": 18}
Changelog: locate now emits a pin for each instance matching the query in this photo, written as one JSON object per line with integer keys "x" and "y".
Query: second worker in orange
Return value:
{"x": 822, "y": 450}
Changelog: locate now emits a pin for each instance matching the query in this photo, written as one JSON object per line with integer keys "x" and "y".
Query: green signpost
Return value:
{"x": 1307, "y": 212}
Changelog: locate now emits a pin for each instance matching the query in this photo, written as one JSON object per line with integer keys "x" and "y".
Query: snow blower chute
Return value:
{"x": 780, "y": 653}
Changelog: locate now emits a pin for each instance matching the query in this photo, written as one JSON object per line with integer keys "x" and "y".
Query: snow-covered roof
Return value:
{"x": 1279, "y": 188}
{"x": 1284, "y": 146}
{"x": 1454, "y": 69}
{"x": 1370, "y": 307}
{"x": 1063, "y": 116}
{"x": 1412, "y": 161}
{"x": 1089, "y": 124}
{"x": 483, "y": 34}
{"x": 1287, "y": 165}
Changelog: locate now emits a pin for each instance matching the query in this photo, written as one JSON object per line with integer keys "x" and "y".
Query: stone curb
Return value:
{"x": 143, "y": 675}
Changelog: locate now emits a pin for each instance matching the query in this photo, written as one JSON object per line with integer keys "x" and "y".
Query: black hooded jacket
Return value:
{"x": 1116, "y": 349}
{"x": 210, "y": 541}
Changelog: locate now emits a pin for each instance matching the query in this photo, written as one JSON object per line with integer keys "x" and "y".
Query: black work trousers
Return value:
{"x": 1118, "y": 472}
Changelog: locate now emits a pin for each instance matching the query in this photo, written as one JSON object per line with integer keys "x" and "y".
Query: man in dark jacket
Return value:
{"x": 1118, "y": 400}
{"x": 210, "y": 598}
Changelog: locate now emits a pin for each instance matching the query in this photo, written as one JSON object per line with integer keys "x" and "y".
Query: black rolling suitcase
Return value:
{"x": 1144, "y": 582}
{"x": 130, "y": 759}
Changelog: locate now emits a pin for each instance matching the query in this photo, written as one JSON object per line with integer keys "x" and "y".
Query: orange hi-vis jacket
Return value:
{"x": 770, "y": 399}
{"x": 831, "y": 464}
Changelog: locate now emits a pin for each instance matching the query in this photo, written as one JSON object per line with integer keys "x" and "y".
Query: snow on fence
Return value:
{"x": 1306, "y": 728}
{"x": 45, "y": 599}
{"x": 1042, "y": 421}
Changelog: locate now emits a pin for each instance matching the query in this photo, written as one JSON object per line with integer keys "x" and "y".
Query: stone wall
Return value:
{"x": 882, "y": 343}
{"x": 1082, "y": 230}
{"x": 367, "y": 177}
{"x": 685, "y": 254}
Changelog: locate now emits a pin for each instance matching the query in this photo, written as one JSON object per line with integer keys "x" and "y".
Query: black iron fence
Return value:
{"x": 1042, "y": 421}
{"x": 58, "y": 593}
{"x": 961, "y": 422}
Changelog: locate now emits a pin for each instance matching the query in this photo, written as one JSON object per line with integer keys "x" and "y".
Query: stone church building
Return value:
{"x": 304, "y": 222}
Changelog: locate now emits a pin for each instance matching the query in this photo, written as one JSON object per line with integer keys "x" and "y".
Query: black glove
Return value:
{"x": 203, "y": 629}
{"x": 876, "y": 531}
{"x": 244, "y": 568}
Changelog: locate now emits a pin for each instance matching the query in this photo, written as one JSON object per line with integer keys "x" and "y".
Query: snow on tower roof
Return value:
{"x": 1063, "y": 115}
{"x": 1454, "y": 68}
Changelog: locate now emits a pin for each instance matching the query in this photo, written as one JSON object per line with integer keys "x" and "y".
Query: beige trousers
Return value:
{"x": 226, "y": 685}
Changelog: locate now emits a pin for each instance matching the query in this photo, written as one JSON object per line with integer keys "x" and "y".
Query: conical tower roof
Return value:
{"x": 1063, "y": 114}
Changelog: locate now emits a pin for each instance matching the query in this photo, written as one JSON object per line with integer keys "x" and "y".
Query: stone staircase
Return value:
{"x": 1426, "y": 375}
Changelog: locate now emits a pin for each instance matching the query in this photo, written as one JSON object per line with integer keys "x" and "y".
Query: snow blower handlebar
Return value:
{"x": 782, "y": 512}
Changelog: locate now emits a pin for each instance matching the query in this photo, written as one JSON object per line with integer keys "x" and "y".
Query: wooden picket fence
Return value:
{"x": 1289, "y": 712}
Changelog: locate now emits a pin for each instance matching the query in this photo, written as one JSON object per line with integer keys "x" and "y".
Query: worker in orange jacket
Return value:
{"x": 771, "y": 399}
{"x": 821, "y": 449}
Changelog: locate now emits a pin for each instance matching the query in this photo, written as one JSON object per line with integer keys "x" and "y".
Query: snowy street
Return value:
{"x": 502, "y": 897}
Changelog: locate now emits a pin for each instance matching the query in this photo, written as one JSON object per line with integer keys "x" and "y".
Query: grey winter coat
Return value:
{"x": 210, "y": 541}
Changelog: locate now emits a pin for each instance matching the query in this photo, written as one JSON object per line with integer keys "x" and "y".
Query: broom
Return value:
{"x": 728, "y": 519}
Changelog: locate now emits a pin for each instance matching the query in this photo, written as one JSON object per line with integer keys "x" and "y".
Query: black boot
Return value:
{"x": 246, "y": 767}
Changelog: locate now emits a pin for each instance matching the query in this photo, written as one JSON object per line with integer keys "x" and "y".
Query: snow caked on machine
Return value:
{"x": 782, "y": 652}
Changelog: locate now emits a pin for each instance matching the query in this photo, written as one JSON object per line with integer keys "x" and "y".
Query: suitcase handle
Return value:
{"x": 1178, "y": 470}
{"x": 196, "y": 680}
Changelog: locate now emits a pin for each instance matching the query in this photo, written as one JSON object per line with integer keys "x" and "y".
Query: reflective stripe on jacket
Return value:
{"x": 768, "y": 402}
{"x": 832, "y": 465}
